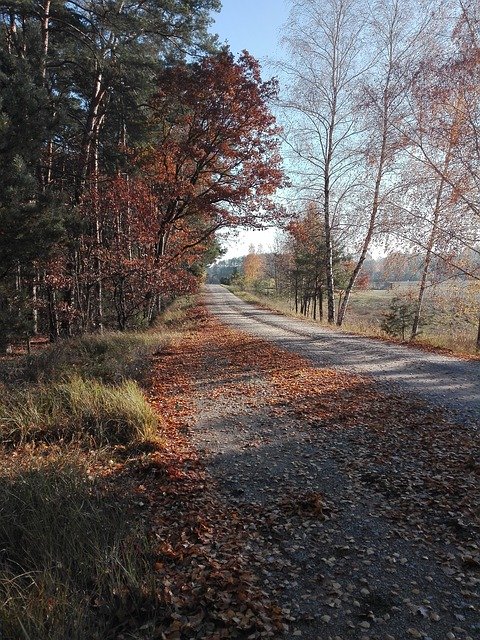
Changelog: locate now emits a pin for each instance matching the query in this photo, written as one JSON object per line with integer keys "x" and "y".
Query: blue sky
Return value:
{"x": 253, "y": 25}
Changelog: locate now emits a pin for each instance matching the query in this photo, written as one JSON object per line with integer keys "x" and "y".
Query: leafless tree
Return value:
{"x": 399, "y": 34}
{"x": 324, "y": 45}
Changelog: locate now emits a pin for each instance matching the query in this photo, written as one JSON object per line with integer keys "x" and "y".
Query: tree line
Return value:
{"x": 128, "y": 137}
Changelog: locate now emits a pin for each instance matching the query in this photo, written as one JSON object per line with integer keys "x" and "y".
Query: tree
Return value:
{"x": 400, "y": 34}
{"x": 217, "y": 150}
{"x": 254, "y": 267}
{"x": 397, "y": 321}
{"x": 215, "y": 162}
{"x": 307, "y": 274}
{"x": 438, "y": 132}
{"x": 323, "y": 40}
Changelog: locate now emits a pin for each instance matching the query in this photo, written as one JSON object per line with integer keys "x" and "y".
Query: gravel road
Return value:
{"x": 362, "y": 529}
{"x": 441, "y": 380}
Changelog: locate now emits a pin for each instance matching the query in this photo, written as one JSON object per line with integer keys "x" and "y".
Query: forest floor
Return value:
{"x": 310, "y": 503}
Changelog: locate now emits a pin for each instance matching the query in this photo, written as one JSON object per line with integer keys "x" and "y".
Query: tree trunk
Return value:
{"x": 35, "y": 308}
{"x": 329, "y": 260}
{"x": 45, "y": 30}
{"x": 89, "y": 147}
{"x": 428, "y": 260}
{"x": 328, "y": 229}
{"x": 54, "y": 327}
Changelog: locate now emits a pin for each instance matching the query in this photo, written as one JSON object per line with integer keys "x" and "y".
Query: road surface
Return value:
{"x": 443, "y": 381}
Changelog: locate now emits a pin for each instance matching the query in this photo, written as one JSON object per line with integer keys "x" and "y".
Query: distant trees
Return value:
{"x": 254, "y": 266}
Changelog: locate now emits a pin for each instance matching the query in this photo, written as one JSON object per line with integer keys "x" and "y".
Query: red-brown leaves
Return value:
{"x": 217, "y": 151}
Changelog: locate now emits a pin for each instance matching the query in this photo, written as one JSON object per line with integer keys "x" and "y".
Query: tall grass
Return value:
{"x": 71, "y": 565}
{"x": 111, "y": 357}
{"x": 78, "y": 409}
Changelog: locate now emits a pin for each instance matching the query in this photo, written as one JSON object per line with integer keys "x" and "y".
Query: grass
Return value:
{"x": 78, "y": 409}
{"x": 73, "y": 562}
{"x": 71, "y": 566}
{"x": 111, "y": 357}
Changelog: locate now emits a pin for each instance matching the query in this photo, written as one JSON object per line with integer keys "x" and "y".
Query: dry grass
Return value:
{"x": 71, "y": 563}
{"x": 111, "y": 357}
{"x": 74, "y": 562}
{"x": 365, "y": 315}
{"x": 78, "y": 410}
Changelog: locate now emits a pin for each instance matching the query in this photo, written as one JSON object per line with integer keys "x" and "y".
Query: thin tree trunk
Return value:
{"x": 45, "y": 30}
{"x": 329, "y": 258}
{"x": 98, "y": 238}
{"x": 93, "y": 125}
{"x": 428, "y": 258}
{"x": 53, "y": 315}
{"x": 369, "y": 235}
{"x": 327, "y": 221}
{"x": 35, "y": 308}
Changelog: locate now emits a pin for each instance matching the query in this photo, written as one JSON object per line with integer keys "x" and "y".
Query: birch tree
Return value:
{"x": 399, "y": 34}
{"x": 324, "y": 44}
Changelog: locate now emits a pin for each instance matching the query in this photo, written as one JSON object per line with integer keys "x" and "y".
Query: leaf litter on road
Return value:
{"x": 339, "y": 483}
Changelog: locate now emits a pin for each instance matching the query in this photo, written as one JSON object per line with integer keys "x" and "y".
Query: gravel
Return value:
{"x": 356, "y": 569}
{"x": 444, "y": 381}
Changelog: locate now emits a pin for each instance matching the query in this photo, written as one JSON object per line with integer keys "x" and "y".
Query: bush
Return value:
{"x": 78, "y": 410}
{"x": 399, "y": 318}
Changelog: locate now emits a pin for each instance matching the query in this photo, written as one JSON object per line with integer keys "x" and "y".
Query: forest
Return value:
{"x": 122, "y": 154}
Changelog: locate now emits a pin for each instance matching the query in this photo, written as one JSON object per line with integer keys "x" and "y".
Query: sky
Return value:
{"x": 253, "y": 25}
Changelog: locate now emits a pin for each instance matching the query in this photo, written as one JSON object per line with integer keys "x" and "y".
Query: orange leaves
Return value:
{"x": 202, "y": 558}
{"x": 218, "y": 157}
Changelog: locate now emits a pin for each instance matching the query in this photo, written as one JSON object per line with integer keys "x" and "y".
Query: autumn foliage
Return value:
{"x": 143, "y": 233}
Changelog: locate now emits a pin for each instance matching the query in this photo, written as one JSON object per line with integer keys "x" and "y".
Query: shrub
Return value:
{"x": 399, "y": 318}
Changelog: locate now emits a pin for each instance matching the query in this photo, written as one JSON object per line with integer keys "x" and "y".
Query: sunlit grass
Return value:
{"x": 73, "y": 563}
{"x": 78, "y": 409}
{"x": 364, "y": 317}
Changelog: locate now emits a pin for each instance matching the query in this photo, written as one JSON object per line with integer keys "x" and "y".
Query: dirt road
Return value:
{"x": 441, "y": 380}
{"x": 358, "y": 503}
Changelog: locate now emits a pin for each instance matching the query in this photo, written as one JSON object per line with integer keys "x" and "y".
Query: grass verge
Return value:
{"x": 72, "y": 566}
{"x": 76, "y": 548}
{"x": 78, "y": 409}
{"x": 460, "y": 343}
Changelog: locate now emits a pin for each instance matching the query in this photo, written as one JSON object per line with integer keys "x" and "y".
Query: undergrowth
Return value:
{"x": 74, "y": 563}
{"x": 110, "y": 357}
